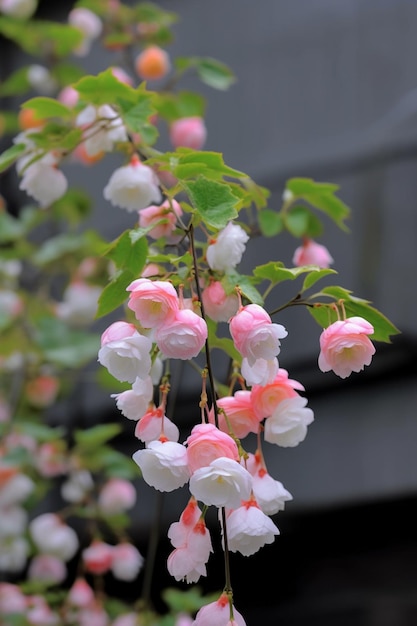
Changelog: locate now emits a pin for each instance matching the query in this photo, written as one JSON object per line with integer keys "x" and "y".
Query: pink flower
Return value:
{"x": 164, "y": 218}
{"x": 184, "y": 337}
{"x": 12, "y": 600}
{"x": 287, "y": 426}
{"x": 42, "y": 391}
{"x": 223, "y": 483}
{"x": 133, "y": 187}
{"x": 217, "y": 304}
{"x": 156, "y": 425}
{"x": 68, "y": 96}
{"x": 48, "y": 569}
{"x": 125, "y": 352}
{"x": 81, "y": 594}
{"x": 191, "y": 540}
{"x": 254, "y": 334}
{"x": 239, "y": 413}
{"x": 98, "y": 557}
{"x": 265, "y": 398}
{"x": 163, "y": 465}
{"x": 218, "y": 614}
{"x": 248, "y": 529}
{"x": 116, "y": 495}
{"x": 154, "y": 302}
{"x": 127, "y": 561}
{"x": 207, "y": 443}
{"x": 345, "y": 346}
{"x": 188, "y": 132}
{"x": 312, "y": 253}
{"x": 228, "y": 248}
{"x": 52, "y": 536}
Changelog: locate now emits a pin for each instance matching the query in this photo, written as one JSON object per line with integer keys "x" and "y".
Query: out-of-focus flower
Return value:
{"x": 54, "y": 537}
{"x": 312, "y": 253}
{"x": 116, "y": 495}
{"x": 103, "y": 128}
{"x": 164, "y": 216}
{"x": 249, "y": 529}
{"x": 207, "y": 443}
{"x": 90, "y": 26}
{"x": 125, "y": 352}
{"x": 21, "y": 9}
{"x": 188, "y": 132}
{"x": 127, "y": 561}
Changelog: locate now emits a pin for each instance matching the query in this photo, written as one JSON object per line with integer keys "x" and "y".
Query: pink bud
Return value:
{"x": 98, "y": 557}
{"x": 81, "y": 594}
{"x": 188, "y": 132}
{"x": 117, "y": 495}
{"x": 217, "y": 304}
{"x": 312, "y": 253}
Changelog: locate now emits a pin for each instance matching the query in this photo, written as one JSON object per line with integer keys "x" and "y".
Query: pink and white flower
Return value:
{"x": 80, "y": 593}
{"x": 47, "y": 568}
{"x": 77, "y": 485}
{"x": 312, "y": 253}
{"x": 222, "y": 483}
{"x": 265, "y": 398}
{"x": 217, "y": 304}
{"x": 254, "y": 334}
{"x": 133, "y": 187}
{"x": 127, "y": 561}
{"x": 89, "y": 24}
{"x": 188, "y": 132}
{"x": 125, "y": 352}
{"x": 218, "y": 614}
{"x": 103, "y": 128}
{"x": 239, "y": 412}
{"x": 98, "y": 557}
{"x": 184, "y": 337}
{"x": 227, "y": 250}
{"x": 164, "y": 218}
{"x": 259, "y": 372}
{"x": 116, "y": 495}
{"x": 249, "y": 529}
{"x": 207, "y": 443}
{"x": 287, "y": 426}
{"x": 156, "y": 425}
{"x": 345, "y": 346}
{"x": 12, "y": 600}
{"x": 270, "y": 494}
{"x": 163, "y": 465}
{"x": 154, "y": 302}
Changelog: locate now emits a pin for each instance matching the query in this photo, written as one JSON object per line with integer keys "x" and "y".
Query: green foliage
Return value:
{"x": 64, "y": 346}
{"x": 321, "y": 196}
{"x": 213, "y": 201}
{"x": 9, "y": 156}
{"x": 46, "y": 38}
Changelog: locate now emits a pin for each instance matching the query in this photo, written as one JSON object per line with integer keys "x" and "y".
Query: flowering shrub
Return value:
{"x": 169, "y": 289}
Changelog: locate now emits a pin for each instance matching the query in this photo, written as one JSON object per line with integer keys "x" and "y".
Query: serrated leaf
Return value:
{"x": 313, "y": 276}
{"x": 245, "y": 284}
{"x": 129, "y": 251}
{"x": 9, "y": 156}
{"x": 276, "y": 272}
{"x": 105, "y": 88}
{"x": 213, "y": 201}
{"x": 321, "y": 196}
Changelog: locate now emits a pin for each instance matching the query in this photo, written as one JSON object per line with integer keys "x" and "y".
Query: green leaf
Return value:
{"x": 213, "y": 201}
{"x": 270, "y": 222}
{"x": 105, "y": 88}
{"x": 9, "y": 156}
{"x": 297, "y": 219}
{"x": 172, "y": 106}
{"x": 313, "y": 276}
{"x": 41, "y": 432}
{"x": 44, "y": 38}
{"x": 245, "y": 284}
{"x": 64, "y": 346}
{"x": 16, "y": 83}
{"x": 115, "y": 294}
{"x": 321, "y": 196}
{"x": 214, "y": 73}
{"x": 97, "y": 435}
{"x": 74, "y": 205}
{"x": 128, "y": 251}
{"x": 276, "y": 272}
{"x": 44, "y": 107}
{"x": 222, "y": 343}
{"x": 11, "y": 228}
{"x": 60, "y": 246}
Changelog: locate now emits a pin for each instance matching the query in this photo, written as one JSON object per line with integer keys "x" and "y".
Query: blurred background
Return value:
{"x": 326, "y": 90}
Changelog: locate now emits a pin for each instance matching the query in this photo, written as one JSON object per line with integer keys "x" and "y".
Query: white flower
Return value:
{"x": 222, "y": 483}
{"x": 287, "y": 426}
{"x": 18, "y": 8}
{"x": 41, "y": 79}
{"x": 248, "y": 529}
{"x": 53, "y": 537}
{"x": 270, "y": 494}
{"x": 127, "y": 359}
{"x": 228, "y": 249}
{"x": 133, "y": 403}
{"x": 79, "y": 483}
{"x": 127, "y": 561}
{"x": 133, "y": 187}
{"x": 260, "y": 372}
{"x": 13, "y": 521}
{"x": 79, "y": 304}
{"x": 104, "y": 128}
{"x": 163, "y": 465}
{"x": 15, "y": 489}
{"x": 44, "y": 181}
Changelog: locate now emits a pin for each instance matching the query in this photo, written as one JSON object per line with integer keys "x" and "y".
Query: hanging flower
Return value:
{"x": 228, "y": 248}
{"x": 346, "y": 347}
{"x": 133, "y": 186}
